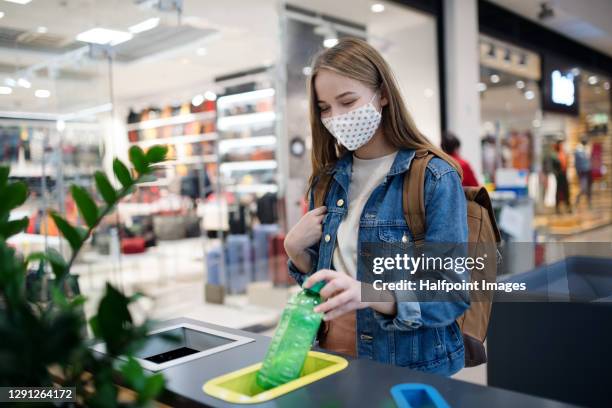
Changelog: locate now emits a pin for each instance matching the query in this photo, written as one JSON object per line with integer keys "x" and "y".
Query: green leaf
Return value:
{"x": 122, "y": 173}
{"x": 105, "y": 188}
{"x": 134, "y": 374}
{"x": 74, "y": 235}
{"x": 152, "y": 388}
{"x": 10, "y": 228}
{"x": 13, "y": 195}
{"x": 114, "y": 321}
{"x": 4, "y": 173}
{"x": 87, "y": 206}
{"x": 157, "y": 154}
{"x": 78, "y": 300}
{"x": 138, "y": 159}
{"x": 58, "y": 264}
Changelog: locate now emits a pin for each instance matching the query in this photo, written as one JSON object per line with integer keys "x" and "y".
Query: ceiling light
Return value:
{"x": 593, "y": 80}
{"x": 306, "y": 71}
{"x": 575, "y": 71}
{"x": 197, "y": 100}
{"x": 10, "y": 82}
{"x": 377, "y": 8}
{"x": 19, "y": 1}
{"x": 42, "y": 93}
{"x": 42, "y": 30}
{"x": 494, "y": 78}
{"x": 520, "y": 84}
{"x": 330, "y": 41}
{"x": 481, "y": 87}
{"x": 24, "y": 83}
{"x": 144, "y": 26}
{"x": 211, "y": 96}
{"x": 1, "y": 14}
{"x": 5, "y": 90}
{"x": 529, "y": 95}
{"x": 104, "y": 36}
{"x": 201, "y": 51}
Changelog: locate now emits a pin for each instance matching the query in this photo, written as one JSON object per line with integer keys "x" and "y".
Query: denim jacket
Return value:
{"x": 421, "y": 335}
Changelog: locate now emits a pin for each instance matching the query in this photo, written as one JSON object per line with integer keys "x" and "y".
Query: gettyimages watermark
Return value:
{"x": 483, "y": 272}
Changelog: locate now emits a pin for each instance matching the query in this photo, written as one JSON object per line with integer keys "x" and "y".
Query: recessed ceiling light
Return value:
{"x": 481, "y": 86}
{"x": 307, "y": 71}
{"x": 330, "y": 42}
{"x": 377, "y": 8}
{"x": 201, "y": 51}
{"x": 144, "y": 26}
{"x": 593, "y": 80}
{"x": 42, "y": 30}
{"x": 5, "y": 90}
{"x": 42, "y": 93}
{"x": 494, "y": 78}
{"x": 24, "y": 83}
{"x": 197, "y": 100}
{"x": 19, "y": 1}
{"x": 1, "y": 14}
{"x": 210, "y": 95}
{"x": 529, "y": 95}
{"x": 104, "y": 36}
{"x": 520, "y": 84}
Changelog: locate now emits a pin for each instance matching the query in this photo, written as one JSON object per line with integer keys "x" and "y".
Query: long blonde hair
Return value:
{"x": 356, "y": 59}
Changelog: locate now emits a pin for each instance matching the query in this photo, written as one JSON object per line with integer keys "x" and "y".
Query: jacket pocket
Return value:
{"x": 394, "y": 234}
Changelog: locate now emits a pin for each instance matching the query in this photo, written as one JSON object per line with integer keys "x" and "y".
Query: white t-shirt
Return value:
{"x": 367, "y": 174}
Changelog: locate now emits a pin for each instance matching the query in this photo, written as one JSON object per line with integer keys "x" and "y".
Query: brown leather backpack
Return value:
{"x": 482, "y": 229}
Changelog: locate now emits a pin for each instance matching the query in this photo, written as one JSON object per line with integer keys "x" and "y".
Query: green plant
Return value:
{"x": 40, "y": 336}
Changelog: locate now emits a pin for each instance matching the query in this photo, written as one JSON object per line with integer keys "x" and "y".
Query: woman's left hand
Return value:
{"x": 342, "y": 293}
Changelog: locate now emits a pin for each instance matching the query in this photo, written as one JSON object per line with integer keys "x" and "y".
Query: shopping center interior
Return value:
{"x": 223, "y": 86}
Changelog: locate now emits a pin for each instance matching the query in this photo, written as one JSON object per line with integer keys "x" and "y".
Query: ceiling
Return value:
{"x": 588, "y": 22}
{"x": 161, "y": 65}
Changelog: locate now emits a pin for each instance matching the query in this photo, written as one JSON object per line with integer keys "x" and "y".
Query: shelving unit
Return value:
{"x": 247, "y": 142}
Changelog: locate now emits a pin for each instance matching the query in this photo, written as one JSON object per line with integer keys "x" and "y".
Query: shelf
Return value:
{"x": 203, "y": 137}
{"x": 248, "y": 165}
{"x": 173, "y": 120}
{"x": 236, "y": 99}
{"x": 209, "y": 158}
{"x": 252, "y": 188}
{"x": 245, "y": 119}
{"x": 253, "y": 141}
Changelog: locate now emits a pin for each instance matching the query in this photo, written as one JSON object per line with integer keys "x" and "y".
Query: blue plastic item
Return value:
{"x": 414, "y": 395}
{"x": 239, "y": 265}
{"x": 261, "y": 238}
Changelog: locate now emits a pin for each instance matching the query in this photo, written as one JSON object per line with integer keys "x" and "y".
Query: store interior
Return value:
{"x": 226, "y": 93}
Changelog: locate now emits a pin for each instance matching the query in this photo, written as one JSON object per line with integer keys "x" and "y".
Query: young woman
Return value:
{"x": 363, "y": 136}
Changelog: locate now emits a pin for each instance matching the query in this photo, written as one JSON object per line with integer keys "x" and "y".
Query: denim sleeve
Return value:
{"x": 446, "y": 222}
{"x": 313, "y": 251}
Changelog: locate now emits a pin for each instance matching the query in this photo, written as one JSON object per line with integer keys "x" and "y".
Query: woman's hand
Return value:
{"x": 342, "y": 293}
{"x": 304, "y": 234}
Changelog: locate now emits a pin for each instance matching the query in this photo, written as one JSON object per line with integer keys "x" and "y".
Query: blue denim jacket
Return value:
{"x": 422, "y": 336}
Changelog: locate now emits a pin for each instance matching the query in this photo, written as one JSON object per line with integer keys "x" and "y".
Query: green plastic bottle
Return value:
{"x": 292, "y": 339}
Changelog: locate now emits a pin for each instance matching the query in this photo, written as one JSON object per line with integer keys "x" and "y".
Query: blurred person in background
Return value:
{"x": 582, "y": 162}
{"x": 451, "y": 144}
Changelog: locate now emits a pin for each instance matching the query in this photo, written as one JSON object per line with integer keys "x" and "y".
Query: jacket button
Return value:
{"x": 327, "y": 237}
{"x": 340, "y": 202}
{"x": 404, "y": 239}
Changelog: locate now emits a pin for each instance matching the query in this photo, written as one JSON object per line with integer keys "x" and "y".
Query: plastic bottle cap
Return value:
{"x": 316, "y": 288}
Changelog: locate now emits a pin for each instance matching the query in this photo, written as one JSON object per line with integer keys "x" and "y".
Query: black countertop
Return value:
{"x": 363, "y": 383}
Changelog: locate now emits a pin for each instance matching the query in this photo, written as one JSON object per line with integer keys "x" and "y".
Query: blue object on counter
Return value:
{"x": 414, "y": 395}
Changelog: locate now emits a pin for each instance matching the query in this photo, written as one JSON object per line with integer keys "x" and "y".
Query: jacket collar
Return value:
{"x": 400, "y": 164}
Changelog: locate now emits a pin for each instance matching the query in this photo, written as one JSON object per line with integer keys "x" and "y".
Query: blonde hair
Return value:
{"x": 356, "y": 59}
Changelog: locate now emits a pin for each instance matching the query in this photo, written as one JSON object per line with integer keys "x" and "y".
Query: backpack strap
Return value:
{"x": 413, "y": 196}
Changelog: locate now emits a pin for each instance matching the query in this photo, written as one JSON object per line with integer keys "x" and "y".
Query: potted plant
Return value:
{"x": 44, "y": 341}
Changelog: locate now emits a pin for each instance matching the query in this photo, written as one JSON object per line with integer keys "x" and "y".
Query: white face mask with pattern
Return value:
{"x": 356, "y": 127}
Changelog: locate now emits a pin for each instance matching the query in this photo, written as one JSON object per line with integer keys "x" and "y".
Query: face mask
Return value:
{"x": 354, "y": 128}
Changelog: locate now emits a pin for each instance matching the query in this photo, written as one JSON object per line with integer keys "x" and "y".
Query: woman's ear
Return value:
{"x": 383, "y": 97}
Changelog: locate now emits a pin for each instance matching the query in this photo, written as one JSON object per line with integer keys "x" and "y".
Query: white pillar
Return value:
{"x": 462, "y": 76}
